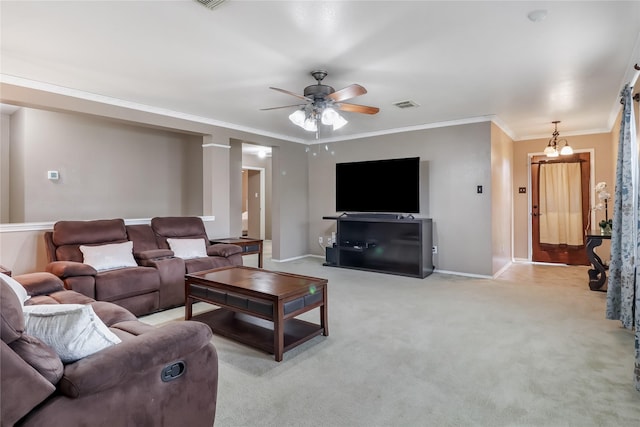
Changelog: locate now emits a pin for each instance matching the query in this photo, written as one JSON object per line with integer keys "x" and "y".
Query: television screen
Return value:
{"x": 386, "y": 186}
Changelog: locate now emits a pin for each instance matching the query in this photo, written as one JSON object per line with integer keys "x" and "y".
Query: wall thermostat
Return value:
{"x": 53, "y": 175}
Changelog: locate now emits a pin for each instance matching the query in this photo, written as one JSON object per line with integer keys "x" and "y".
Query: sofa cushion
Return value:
{"x": 178, "y": 226}
{"x": 61, "y": 297}
{"x": 109, "y": 256}
{"x": 40, "y": 283}
{"x": 111, "y": 314}
{"x": 74, "y": 331}
{"x": 16, "y": 287}
{"x": 142, "y": 237}
{"x": 87, "y": 232}
{"x": 40, "y": 356}
{"x": 67, "y": 236}
{"x": 188, "y": 248}
{"x": 117, "y": 284}
{"x": 223, "y": 249}
{"x": 11, "y": 318}
{"x": 207, "y": 263}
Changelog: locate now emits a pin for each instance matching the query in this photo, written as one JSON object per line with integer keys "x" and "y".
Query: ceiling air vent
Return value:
{"x": 210, "y": 4}
{"x": 406, "y": 104}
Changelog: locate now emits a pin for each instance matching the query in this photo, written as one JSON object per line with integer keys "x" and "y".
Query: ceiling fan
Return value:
{"x": 321, "y": 102}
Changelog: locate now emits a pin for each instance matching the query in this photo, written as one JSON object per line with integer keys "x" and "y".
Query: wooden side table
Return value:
{"x": 249, "y": 246}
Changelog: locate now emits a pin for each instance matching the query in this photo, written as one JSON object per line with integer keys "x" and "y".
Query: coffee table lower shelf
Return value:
{"x": 256, "y": 332}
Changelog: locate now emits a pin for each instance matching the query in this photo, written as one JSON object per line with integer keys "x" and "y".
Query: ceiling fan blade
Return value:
{"x": 348, "y": 92}
{"x": 354, "y": 108}
{"x": 291, "y": 93}
{"x": 284, "y": 106}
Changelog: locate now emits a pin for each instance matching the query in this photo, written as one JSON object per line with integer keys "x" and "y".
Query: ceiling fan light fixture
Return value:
{"x": 329, "y": 116}
{"x": 298, "y": 117}
{"x": 339, "y": 122}
{"x": 321, "y": 103}
{"x": 310, "y": 125}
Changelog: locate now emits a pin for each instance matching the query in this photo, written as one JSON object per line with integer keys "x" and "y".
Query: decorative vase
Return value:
{"x": 605, "y": 229}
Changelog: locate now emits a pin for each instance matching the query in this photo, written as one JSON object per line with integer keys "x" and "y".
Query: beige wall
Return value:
{"x": 454, "y": 160}
{"x": 5, "y": 135}
{"x": 602, "y": 161}
{"x": 290, "y": 202}
{"x": 501, "y": 198}
{"x": 107, "y": 169}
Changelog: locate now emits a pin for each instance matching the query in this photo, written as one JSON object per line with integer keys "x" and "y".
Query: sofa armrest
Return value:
{"x": 64, "y": 269}
{"x": 40, "y": 283}
{"x": 153, "y": 254}
{"x": 223, "y": 249}
{"x": 23, "y": 388}
{"x": 146, "y": 354}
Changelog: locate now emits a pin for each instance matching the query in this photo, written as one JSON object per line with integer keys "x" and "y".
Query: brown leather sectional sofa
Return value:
{"x": 156, "y": 376}
{"x": 155, "y": 282}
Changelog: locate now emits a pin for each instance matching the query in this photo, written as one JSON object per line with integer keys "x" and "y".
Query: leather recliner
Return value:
{"x": 133, "y": 383}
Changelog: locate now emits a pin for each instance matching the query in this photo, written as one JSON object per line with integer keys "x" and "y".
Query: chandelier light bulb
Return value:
{"x": 566, "y": 150}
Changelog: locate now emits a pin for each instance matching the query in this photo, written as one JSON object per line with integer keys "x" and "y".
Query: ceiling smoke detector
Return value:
{"x": 406, "y": 104}
{"x": 210, "y": 4}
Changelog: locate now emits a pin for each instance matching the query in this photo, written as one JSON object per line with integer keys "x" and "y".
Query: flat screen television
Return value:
{"x": 385, "y": 186}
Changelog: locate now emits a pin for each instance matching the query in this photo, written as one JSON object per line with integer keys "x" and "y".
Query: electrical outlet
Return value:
{"x": 320, "y": 239}
{"x": 434, "y": 250}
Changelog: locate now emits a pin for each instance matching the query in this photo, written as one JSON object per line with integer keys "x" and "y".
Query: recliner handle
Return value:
{"x": 173, "y": 371}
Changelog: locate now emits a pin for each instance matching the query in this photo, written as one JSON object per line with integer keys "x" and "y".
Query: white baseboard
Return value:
{"x": 502, "y": 270}
{"x": 457, "y": 273}
{"x": 296, "y": 257}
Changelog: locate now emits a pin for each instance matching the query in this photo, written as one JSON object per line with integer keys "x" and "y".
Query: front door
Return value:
{"x": 563, "y": 204}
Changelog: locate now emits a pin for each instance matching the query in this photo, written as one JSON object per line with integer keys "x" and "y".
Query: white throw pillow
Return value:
{"x": 20, "y": 291}
{"x": 109, "y": 257}
{"x": 74, "y": 331}
{"x": 188, "y": 248}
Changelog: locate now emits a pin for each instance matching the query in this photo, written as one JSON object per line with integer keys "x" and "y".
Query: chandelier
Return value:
{"x": 553, "y": 147}
{"x": 309, "y": 116}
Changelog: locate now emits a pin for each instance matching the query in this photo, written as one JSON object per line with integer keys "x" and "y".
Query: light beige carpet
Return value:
{"x": 531, "y": 348}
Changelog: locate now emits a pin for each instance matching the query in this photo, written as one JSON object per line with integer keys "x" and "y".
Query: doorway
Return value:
{"x": 253, "y": 202}
{"x": 560, "y": 189}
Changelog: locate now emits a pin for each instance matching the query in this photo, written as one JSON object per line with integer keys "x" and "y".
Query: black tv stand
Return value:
{"x": 384, "y": 244}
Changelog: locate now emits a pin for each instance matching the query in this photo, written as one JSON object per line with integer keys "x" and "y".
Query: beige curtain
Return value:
{"x": 560, "y": 204}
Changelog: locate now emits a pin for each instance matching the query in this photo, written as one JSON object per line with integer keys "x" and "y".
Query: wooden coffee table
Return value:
{"x": 258, "y": 307}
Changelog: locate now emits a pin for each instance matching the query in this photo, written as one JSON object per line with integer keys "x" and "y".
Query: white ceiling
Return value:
{"x": 461, "y": 61}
